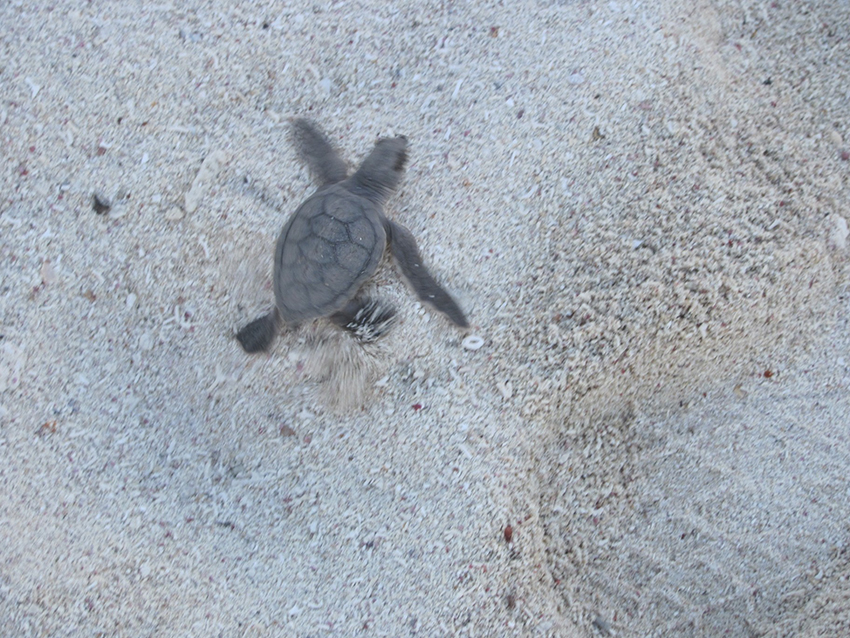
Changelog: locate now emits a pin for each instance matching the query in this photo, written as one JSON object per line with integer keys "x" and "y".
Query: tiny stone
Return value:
{"x": 838, "y": 232}
{"x": 131, "y": 301}
{"x": 100, "y": 205}
{"x": 602, "y": 625}
{"x": 174, "y": 213}
{"x": 576, "y": 78}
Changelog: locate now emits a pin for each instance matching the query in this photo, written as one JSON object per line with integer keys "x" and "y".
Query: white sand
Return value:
{"x": 639, "y": 205}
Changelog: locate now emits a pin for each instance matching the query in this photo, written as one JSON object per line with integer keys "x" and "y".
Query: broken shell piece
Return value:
{"x": 48, "y": 273}
{"x": 838, "y": 232}
{"x": 505, "y": 388}
{"x": 472, "y": 342}
{"x": 203, "y": 180}
{"x": 174, "y": 213}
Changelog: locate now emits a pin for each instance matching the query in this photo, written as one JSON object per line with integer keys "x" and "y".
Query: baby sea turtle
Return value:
{"x": 334, "y": 243}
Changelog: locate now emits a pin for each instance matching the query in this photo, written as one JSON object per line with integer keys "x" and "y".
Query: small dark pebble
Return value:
{"x": 600, "y": 623}
{"x": 511, "y": 600}
{"x": 99, "y": 205}
{"x": 509, "y": 534}
{"x": 768, "y": 82}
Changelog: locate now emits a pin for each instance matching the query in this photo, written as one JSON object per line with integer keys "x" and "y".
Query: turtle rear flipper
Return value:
{"x": 324, "y": 161}
{"x": 365, "y": 318}
{"x": 258, "y": 335}
{"x": 412, "y": 266}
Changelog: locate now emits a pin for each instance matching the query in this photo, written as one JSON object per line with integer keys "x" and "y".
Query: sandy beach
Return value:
{"x": 641, "y": 206}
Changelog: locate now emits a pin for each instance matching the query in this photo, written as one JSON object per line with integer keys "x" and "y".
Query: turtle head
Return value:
{"x": 380, "y": 173}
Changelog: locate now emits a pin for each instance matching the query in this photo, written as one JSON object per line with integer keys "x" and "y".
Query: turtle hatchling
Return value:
{"x": 334, "y": 243}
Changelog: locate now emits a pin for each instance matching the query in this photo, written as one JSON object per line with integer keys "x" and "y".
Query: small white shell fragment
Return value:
{"x": 838, "y": 232}
{"x": 576, "y": 78}
{"x": 208, "y": 171}
{"x": 146, "y": 342}
{"x": 174, "y": 213}
{"x": 505, "y": 388}
{"x": 472, "y": 342}
{"x": 48, "y": 272}
{"x": 835, "y": 138}
{"x": 131, "y": 301}
{"x": 11, "y": 363}
{"x": 35, "y": 88}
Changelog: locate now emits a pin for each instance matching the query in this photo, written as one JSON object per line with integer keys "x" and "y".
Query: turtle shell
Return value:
{"x": 325, "y": 253}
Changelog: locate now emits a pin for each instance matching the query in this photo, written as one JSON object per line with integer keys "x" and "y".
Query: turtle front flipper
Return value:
{"x": 324, "y": 161}
{"x": 380, "y": 173}
{"x": 258, "y": 335}
{"x": 406, "y": 253}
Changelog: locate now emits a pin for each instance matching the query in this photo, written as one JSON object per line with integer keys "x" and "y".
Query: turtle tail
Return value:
{"x": 258, "y": 335}
{"x": 366, "y": 319}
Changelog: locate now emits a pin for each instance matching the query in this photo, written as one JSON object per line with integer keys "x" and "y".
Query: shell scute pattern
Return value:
{"x": 329, "y": 229}
{"x": 352, "y": 257}
{"x": 316, "y": 250}
{"x": 362, "y": 233}
{"x": 345, "y": 208}
{"x": 333, "y": 243}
